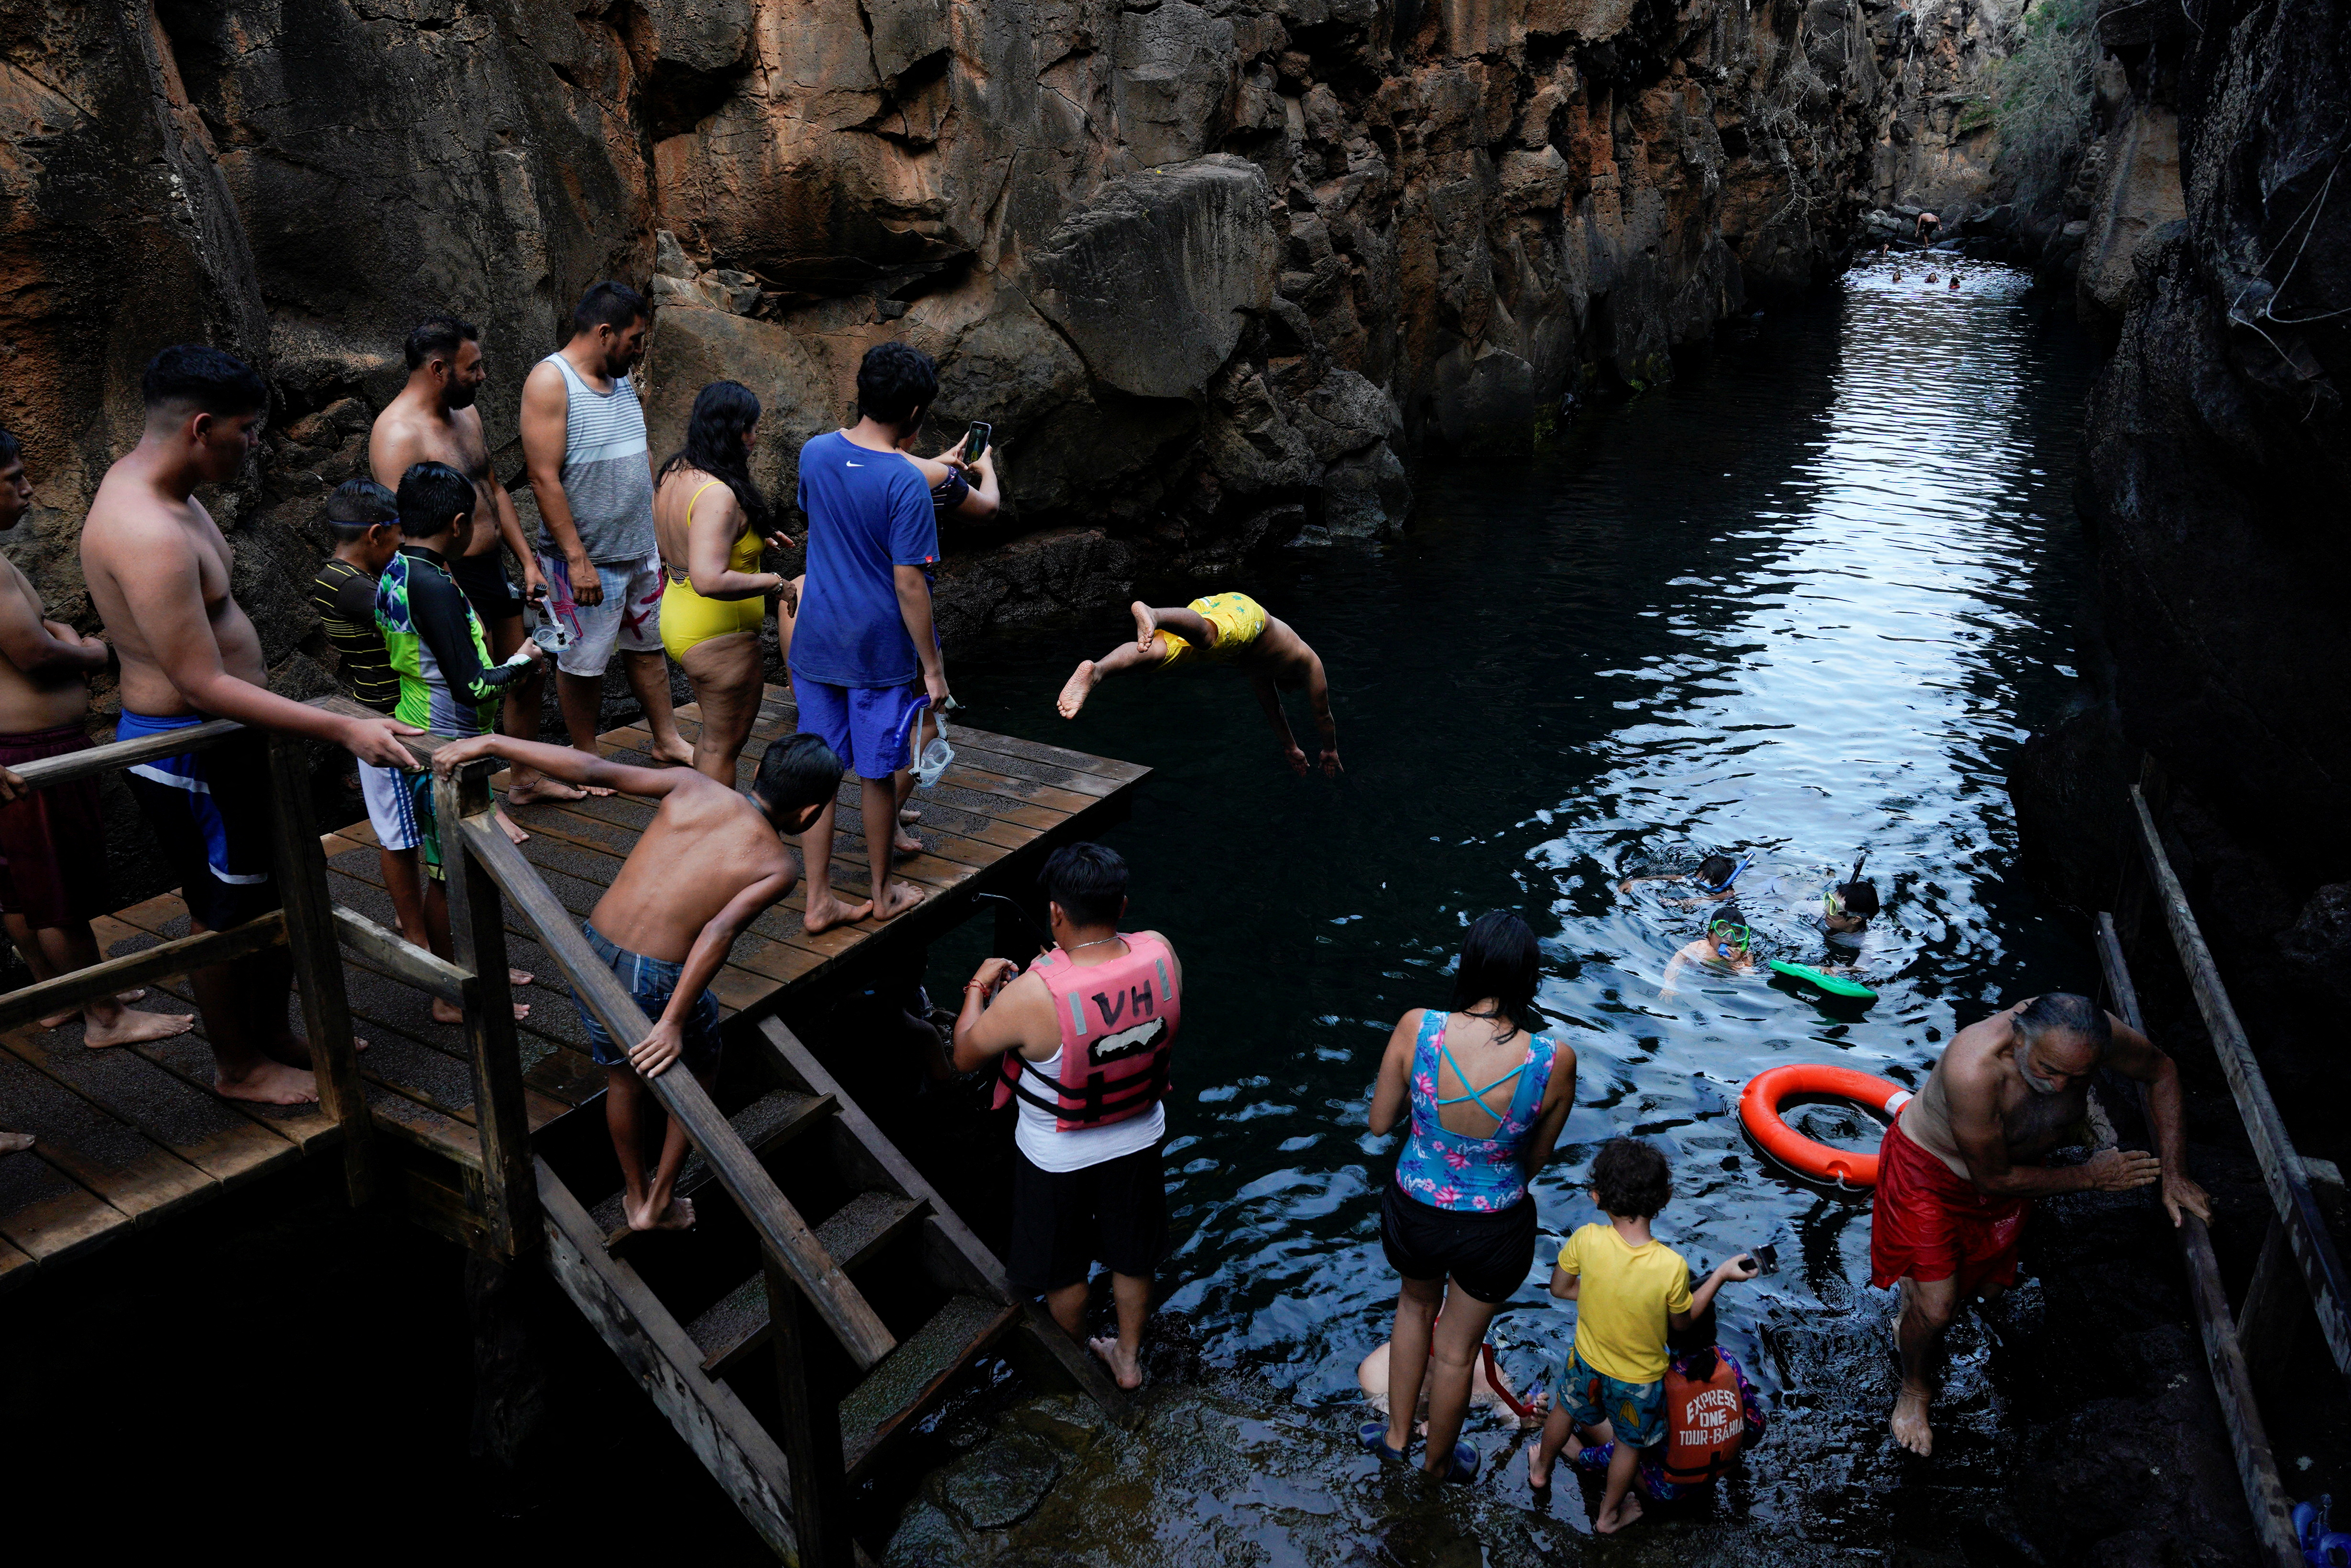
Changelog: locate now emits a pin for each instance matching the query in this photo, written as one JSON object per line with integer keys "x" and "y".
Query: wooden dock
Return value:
{"x": 127, "y": 1138}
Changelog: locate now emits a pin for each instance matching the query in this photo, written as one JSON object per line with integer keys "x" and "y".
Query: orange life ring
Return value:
{"x": 1759, "y": 1111}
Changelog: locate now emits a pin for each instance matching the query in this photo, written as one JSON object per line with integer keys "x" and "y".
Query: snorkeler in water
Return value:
{"x": 1727, "y": 949}
{"x": 1713, "y": 881}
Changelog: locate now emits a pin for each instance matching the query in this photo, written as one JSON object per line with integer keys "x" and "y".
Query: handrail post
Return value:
{"x": 477, "y": 937}
{"x": 319, "y": 963}
{"x": 810, "y": 1428}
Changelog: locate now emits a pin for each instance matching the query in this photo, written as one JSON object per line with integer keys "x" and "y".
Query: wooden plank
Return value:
{"x": 895, "y": 1394}
{"x": 319, "y": 961}
{"x": 639, "y": 1331}
{"x": 46, "y": 1216}
{"x": 111, "y": 1158}
{"x": 808, "y": 1421}
{"x": 955, "y": 1259}
{"x": 15, "y": 1266}
{"x": 2275, "y": 1305}
{"x": 202, "y": 1129}
{"x": 765, "y": 1125}
{"x": 2282, "y": 1167}
{"x": 172, "y": 959}
{"x": 478, "y": 940}
{"x": 114, "y": 754}
{"x": 851, "y": 1319}
{"x": 741, "y": 1321}
{"x": 2232, "y": 1384}
{"x": 391, "y": 953}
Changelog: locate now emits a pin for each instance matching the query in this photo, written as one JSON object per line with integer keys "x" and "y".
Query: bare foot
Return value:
{"x": 271, "y": 1084}
{"x": 519, "y": 977}
{"x": 909, "y": 816}
{"x": 825, "y": 911}
{"x": 530, "y": 787}
{"x": 130, "y": 1028}
{"x": 1079, "y": 687}
{"x": 12, "y": 1143}
{"x": 59, "y": 1020}
{"x": 1146, "y": 624}
{"x": 1538, "y": 1473}
{"x": 896, "y": 899}
{"x": 678, "y": 1216}
{"x": 1627, "y": 1511}
{"x": 905, "y": 844}
{"x": 1910, "y": 1428}
{"x": 1125, "y": 1370}
{"x": 515, "y": 835}
{"x": 681, "y": 754}
{"x": 444, "y": 1012}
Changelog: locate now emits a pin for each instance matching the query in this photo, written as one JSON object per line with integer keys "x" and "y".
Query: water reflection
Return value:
{"x": 1801, "y": 605}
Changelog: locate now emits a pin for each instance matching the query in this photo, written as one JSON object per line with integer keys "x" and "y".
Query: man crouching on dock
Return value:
{"x": 708, "y": 864}
{"x": 1958, "y": 1169}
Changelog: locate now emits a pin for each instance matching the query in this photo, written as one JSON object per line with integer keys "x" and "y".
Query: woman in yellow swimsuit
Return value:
{"x": 711, "y": 522}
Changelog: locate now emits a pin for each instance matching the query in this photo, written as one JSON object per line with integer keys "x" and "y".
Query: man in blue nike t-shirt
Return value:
{"x": 863, "y": 638}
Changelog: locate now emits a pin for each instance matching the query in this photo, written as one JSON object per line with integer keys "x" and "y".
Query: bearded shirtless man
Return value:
{"x": 158, "y": 570}
{"x": 434, "y": 420}
{"x": 1958, "y": 1169}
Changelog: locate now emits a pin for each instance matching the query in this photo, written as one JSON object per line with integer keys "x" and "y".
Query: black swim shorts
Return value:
{"x": 1115, "y": 1213}
{"x": 482, "y": 578}
{"x": 1487, "y": 1254}
{"x": 213, "y": 820}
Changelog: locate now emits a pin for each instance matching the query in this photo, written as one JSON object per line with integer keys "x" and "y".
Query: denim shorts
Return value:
{"x": 1635, "y": 1412}
{"x": 651, "y": 981}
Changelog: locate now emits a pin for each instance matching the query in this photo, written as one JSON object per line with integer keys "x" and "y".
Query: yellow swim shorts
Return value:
{"x": 1239, "y": 620}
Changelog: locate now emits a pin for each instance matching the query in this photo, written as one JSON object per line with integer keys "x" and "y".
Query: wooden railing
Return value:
{"x": 2301, "y": 1270}
{"x": 306, "y": 923}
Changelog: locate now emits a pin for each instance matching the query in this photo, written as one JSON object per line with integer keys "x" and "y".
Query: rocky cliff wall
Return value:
{"x": 1210, "y": 268}
{"x": 2216, "y": 472}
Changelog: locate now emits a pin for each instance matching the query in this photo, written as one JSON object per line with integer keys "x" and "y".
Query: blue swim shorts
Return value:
{"x": 652, "y": 982}
{"x": 865, "y": 725}
{"x": 1635, "y": 1412}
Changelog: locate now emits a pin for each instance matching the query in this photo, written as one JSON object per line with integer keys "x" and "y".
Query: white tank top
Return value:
{"x": 1050, "y": 1149}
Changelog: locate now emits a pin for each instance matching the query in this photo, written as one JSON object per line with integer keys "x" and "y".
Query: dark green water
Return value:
{"x": 1803, "y": 603}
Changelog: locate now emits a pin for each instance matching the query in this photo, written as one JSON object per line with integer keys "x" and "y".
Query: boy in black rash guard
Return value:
{"x": 365, "y": 520}
{"x": 447, "y": 684}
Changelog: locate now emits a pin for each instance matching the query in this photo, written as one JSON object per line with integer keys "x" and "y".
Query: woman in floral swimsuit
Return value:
{"x": 1487, "y": 1099}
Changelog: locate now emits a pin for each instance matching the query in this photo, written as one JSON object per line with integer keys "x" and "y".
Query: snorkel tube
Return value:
{"x": 1724, "y": 886}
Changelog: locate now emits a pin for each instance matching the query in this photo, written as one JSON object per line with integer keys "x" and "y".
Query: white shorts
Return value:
{"x": 629, "y": 619}
{"x": 392, "y": 809}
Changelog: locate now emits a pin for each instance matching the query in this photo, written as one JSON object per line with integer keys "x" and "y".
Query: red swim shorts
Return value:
{"x": 1931, "y": 1225}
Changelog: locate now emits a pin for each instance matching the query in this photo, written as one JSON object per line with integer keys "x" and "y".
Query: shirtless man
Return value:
{"x": 434, "y": 420}
{"x": 1958, "y": 1169}
{"x": 1728, "y": 947}
{"x": 709, "y": 863}
{"x": 53, "y": 876}
{"x": 158, "y": 571}
{"x": 1223, "y": 628}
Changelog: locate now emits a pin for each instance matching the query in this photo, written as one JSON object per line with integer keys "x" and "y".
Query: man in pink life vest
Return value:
{"x": 1084, "y": 1040}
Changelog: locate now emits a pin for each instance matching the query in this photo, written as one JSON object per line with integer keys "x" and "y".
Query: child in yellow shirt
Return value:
{"x": 1628, "y": 1287}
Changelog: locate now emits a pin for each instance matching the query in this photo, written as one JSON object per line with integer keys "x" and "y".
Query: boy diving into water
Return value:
{"x": 709, "y": 863}
{"x": 1223, "y": 628}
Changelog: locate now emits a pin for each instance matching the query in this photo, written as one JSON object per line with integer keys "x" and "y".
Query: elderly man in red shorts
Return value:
{"x": 1959, "y": 1168}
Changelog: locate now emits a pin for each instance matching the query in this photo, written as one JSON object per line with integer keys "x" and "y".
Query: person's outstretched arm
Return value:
{"x": 1318, "y": 692}
{"x": 165, "y": 601}
{"x": 1739, "y": 1267}
{"x": 443, "y": 620}
{"x": 1269, "y": 699}
{"x": 2135, "y": 1056}
{"x": 572, "y": 765}
{"x": 652, "y": 1055}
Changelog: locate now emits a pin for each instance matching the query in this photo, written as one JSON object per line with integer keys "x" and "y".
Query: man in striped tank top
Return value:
{"x": 583, "y": 443}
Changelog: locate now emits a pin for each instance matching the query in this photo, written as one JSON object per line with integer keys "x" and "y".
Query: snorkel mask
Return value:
{"x": 1724, "y": 886}
{"x": 1739, "y": 936}
{"x": 928, "y": 763}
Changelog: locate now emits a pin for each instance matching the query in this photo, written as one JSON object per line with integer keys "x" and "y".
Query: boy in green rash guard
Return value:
{"x": 448, "y": 687}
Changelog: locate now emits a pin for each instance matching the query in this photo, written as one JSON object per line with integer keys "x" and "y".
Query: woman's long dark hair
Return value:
{"x": 723, "y": 410}
{"x": 1499, "y": 959}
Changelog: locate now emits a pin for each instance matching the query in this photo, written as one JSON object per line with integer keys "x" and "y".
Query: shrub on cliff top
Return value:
{"x": 2041, "y": 99}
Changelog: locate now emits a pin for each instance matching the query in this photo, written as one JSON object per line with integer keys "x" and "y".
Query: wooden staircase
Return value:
{"x": 905, "y": 1294}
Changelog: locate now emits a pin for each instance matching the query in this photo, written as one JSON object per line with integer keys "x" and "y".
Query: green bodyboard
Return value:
{"x": 1832, "y": 984}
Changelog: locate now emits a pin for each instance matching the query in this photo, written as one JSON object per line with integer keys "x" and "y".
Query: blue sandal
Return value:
{"x": 1374, "y": 1435}
{"x": 1462, "y": 1466}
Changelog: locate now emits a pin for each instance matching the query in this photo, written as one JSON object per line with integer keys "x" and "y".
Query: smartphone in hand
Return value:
{"x": 975, "y": 440}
